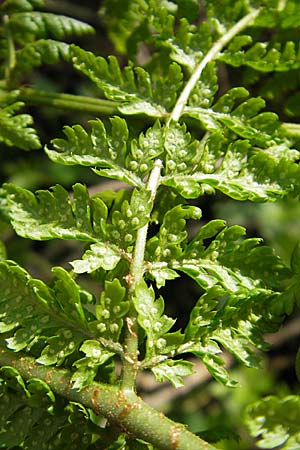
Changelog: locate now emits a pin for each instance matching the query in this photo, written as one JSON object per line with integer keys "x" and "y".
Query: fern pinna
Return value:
{"x": 60, "y": 343}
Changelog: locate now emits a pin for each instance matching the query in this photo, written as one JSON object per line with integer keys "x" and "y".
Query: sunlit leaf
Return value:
{"x": 173, "y": 371}
{"x": 275, "y": 421}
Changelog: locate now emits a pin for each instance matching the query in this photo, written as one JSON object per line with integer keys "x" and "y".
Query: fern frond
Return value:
{"x": 28, "y": 26}
{"x": 28, "y": 30}
{"x": 57, "y": 322}
{"x": 112, "y": 151}
{"x": 263, "y": 57}
{"x": 239, "y": 170}
{"x": 240, "y": 116}
{"x": 151, "y": 319}
{"x": 122, "y": 18}
{"x": 223, "y": 262}
{"x": 10, "y": 6}
{"x": 43, "y": 51}
{"x": 235, "y": 324}
{"x": 52, "y": 214}
{"x": 27, "y": 418}
{"x": 121, "y": 234}
{"x": 130, "y": 22}
{"x": 274, "y": 421}
{"x": 15, "y": 128}
{"x": 131, "y": 86}
{"x": 236, "y": 273}
{"x": 187, "y": 44}
{"x": 101, "y": 148}
{"x": 166, "y": 245}
{"x": 223, "y": 14}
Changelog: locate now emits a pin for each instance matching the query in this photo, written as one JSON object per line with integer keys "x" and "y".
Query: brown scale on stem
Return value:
{"x": 130, "y": 326}
{"x": 95, "y": 401}
{"x": 175, "y": 433}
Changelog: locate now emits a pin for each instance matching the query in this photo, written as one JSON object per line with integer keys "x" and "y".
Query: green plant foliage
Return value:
{"x": 47, "y": 216}
{"x": 174, "y": 132}
{"x": 21, "y": 5}
{"x": 28, "y": 26}
{"x": 98, "y": 148}
{"x": 128, "y": 22}
{"x": 131, "y": 86}
{"x": 15, "y": 128}
{"x": 186, "y": 43}
{"x": 62, "y": 317}
{"x": 261, "y": 57}
{"x": 152, "y": 321}
{"x": 259, "y": 269}
{"x": 225, "y": 168}
{"x": 24, "y": 32}
{"x": 39, "y": 419}
{"x": 35, "y": 54}
{"x": 275, "y": 421}
{"x": 3, "y": 253}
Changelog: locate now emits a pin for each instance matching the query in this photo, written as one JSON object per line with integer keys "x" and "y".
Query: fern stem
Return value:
{"x": 139, "y": 251}
{"x": 127, "y": 411}
{"x": 11, "y": 53}
{"x": 291, "y": 130}
{"x": 130, "y": 360}
{"x": 68, "y": 101}
{"x": 210, "y": 56}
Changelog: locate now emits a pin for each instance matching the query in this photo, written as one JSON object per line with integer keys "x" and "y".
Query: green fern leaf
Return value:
{"x": 28, "y": 26}
{"x": 173, "y": 371}
{"x": 202, "y": 95}
{"x": 21, "y": 5}
{"x": 87, "y": 367}
{"x": 186, "y": 43}
{"x": 37, "y": 53}
{"x": 115, "y": 155}
{"x": 122, "y": 18}
{"x": 263, "y": 57}
{"x": 275, "y": 422}
{"x": 52, "y": 214}
{"x": 15, "y": 129}
{"x": 145, "y": 149}
{"x": 99, "y": 148}
{"x": 27, "y": 418}
{"x": 121, "y": 234}
{"x": 182, "y": 153}
{"x": 129, "y": 22}
{"x": 36, "y": 315}
{"x": 132, "y": 87}
{"x": 279, "y": 15}
{"x": 223, "y": 14}
{"x": 231, "y": 158}
{"x": 237, "y": 324}
{"x": 130, "y": 218}
{"x": 223, "y": 261}
{"x": 110, "y": 310}
{"x": 166, "y": 245}
{"x": 239, "y": 171}
{"x": 109, "y": 313}
{"x": 155, "y": 323}
{"x": 243, "y": 119}
{"x": 99, "y": 255}
{"x": 57, "y": 322}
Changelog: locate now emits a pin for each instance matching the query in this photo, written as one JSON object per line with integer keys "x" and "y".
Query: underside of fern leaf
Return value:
{"x": 15, "y": 128}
